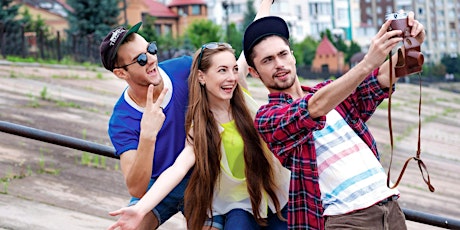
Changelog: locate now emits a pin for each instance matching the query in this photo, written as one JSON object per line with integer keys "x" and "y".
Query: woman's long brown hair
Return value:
{"x": 207, "y": 141}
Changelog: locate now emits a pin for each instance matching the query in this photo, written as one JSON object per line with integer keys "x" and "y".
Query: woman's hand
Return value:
{"x": 129, "y": 219}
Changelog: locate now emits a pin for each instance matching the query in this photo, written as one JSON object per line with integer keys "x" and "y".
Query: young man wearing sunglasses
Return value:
{"x": 147, "y": 124}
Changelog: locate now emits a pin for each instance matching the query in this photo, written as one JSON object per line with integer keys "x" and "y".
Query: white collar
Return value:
{"x": 167, "y": 83}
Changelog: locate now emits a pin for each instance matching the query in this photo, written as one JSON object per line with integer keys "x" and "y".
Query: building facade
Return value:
{"x": 349, "y": 19}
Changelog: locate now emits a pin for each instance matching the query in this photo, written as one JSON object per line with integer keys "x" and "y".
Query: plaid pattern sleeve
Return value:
{"x": 286, "y": 126}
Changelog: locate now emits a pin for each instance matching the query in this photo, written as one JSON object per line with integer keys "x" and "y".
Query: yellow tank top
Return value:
{"x": 234, "y": 149}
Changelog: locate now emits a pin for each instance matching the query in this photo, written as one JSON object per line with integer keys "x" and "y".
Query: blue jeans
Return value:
{"x": 239, "y": 219}
{"x": 171, "y": 204}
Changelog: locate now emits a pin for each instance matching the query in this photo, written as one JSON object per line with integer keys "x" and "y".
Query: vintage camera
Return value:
{"x": 412, "y": 60}
{"x": 399, "y": 22}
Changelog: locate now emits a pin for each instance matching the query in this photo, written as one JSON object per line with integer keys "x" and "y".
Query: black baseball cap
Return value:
{"x": 109, "y": 46}
{"x": 261, "y": 28}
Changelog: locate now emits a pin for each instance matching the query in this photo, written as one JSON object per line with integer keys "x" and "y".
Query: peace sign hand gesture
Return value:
{"x": 153, "y": 117}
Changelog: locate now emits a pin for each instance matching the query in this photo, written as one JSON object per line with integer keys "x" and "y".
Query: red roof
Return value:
{"x": 187, "y": 2}
{"x": 326, "y": 47}
{"x": 65, "y": 5}
{"x": 158, "y": 9}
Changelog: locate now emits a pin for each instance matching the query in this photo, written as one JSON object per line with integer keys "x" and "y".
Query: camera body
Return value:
{"x": 399, "y": 21}
{"x": 412, "y": 60}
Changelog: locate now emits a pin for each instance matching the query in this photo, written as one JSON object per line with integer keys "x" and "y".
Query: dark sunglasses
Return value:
{"x": 211, "y": 45}
{"x": 142, "y": 58}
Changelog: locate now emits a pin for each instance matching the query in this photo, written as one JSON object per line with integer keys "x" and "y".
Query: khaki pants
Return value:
{"x": 388, "y": 216}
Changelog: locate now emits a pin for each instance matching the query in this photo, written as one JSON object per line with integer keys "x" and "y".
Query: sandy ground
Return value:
{"x": 45, "y": 186}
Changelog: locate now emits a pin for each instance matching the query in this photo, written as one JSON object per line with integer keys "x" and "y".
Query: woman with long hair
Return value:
{"x": 234, "y": 173}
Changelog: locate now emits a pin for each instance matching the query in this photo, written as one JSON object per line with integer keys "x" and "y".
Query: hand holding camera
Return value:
{"x": 410, "y": 60}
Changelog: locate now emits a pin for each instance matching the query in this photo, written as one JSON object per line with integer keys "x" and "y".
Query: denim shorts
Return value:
{"x": 171, "y": 204}
{"x": 239, "y": 219}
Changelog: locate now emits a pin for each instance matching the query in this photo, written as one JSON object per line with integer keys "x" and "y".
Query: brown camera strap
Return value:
{"x": 417, "y": 157}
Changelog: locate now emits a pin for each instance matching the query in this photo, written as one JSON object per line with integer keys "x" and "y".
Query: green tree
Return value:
{"x": 235, "y": 39}
{"x": 8, "y": 13}
{"x": 35, "y": 25}
{"x": 203, "y": 31}
{"x": 11, "y": 25}
{"x": 148, "y": 30}
{"x": 352, "y": 49}
{"x": 437, "y": 70}
{"x": 250, "y": 13}
{"x": 305, "y": 51}
{"x": 93, "y": 17}
{"x": 168, "y": 46}
{"x": 452, "y": 63}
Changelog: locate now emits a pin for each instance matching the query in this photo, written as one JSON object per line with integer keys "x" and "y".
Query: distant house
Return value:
{"x": 172, "y": 18}
{"x": 53, "y": 13}
{"x": 328, "y": 59}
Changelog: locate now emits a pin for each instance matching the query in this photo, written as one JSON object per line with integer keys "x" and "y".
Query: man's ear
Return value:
{"x": 201, "y": 77}
{"x": 253, "y": 72}
{"x": 121, "y": 73}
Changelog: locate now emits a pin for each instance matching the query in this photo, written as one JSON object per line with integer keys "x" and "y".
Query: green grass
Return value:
{"x": 44, "y": 93}
{"x": 89, "y": 159}
{"x": 43, "y": 168}
{"x": 33, "y": 101}
{"x": 65, "y": 61}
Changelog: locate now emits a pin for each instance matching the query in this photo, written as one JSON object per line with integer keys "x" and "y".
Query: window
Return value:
{"x": 158, "y": 29}
{"x": 235, "y": 8}
{"x": 196, "y": 9}
{"x": 183, "y": 10}
{"x": 299, "y": 30}
{"x": 441, "y": 35}
{"x": 342, "y": 14}
{"x": 167, "y": 29}
{"x": 284, "y": 7}
{"x": 442, "y": 46}
{"x": 389, "y": 9}
{"x": 441, "y": 25}
{"x": 441, "y": 12}
{"x": 369, "y": 21}
{"x": 299, "y": 11}
{"x": 368, "y": 11}
{"x": 420, "y": 11}
{"x": 314, "y": 9}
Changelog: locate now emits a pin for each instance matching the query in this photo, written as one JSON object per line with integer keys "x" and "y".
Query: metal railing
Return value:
{"x": 104, "y": 150}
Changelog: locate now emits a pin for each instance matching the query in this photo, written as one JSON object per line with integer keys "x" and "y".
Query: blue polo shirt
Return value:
{"x": 124, "y": 124}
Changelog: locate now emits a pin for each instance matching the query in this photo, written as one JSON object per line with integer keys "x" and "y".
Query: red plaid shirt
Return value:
{"x": 285, "y": 124}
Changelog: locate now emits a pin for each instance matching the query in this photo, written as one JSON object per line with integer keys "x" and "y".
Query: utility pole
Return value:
{"x": 225, "y": 5}
{"x": 125, "y": 15}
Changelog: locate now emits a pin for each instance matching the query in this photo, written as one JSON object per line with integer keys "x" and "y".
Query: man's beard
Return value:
{"x": 280, "y": 86}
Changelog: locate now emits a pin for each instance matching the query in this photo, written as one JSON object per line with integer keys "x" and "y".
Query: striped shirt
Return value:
{"x": 285, "y": 124}
{"x": 350, "y": 177}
